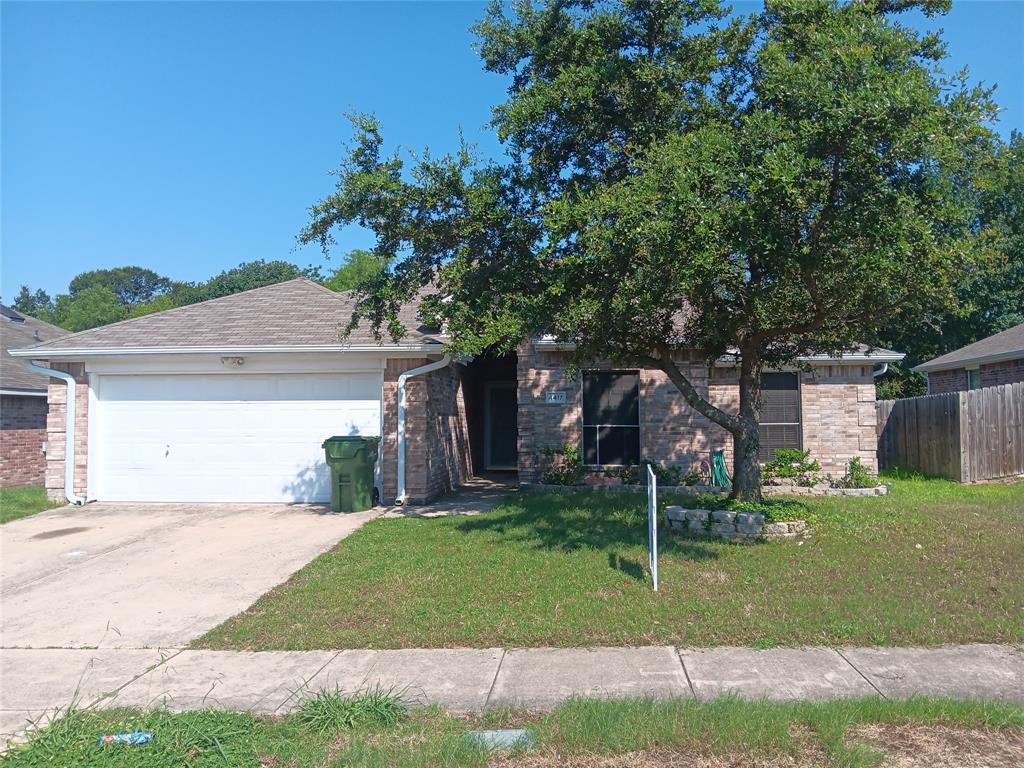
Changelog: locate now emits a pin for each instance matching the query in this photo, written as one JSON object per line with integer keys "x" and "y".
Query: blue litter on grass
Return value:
{"x": 504, "y": 739}
{"x": 131, "y": 739}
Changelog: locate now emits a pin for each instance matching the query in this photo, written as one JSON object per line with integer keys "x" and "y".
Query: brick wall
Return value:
{"x": 992, "y": 375}
{"x": 1006, "y": 372}
{"x": 437, "y": 453}
{"x": 22, "y": 435}
{"x": 56, "y": 440}
{"x": 838, "y": 407}
{"x": 947, "y": 381}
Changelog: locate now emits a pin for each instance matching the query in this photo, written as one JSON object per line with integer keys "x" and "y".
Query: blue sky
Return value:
{"x": 188, "y": 137}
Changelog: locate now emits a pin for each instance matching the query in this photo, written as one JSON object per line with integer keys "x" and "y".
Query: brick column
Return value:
{"x": 55, "y": 434}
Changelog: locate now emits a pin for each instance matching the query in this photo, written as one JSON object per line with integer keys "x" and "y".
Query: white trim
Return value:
{"x": 23, "y": 392}
{"x": 969, "y": 362}
{"x": 46, "y": 354}
{"x": 298, "y": 362}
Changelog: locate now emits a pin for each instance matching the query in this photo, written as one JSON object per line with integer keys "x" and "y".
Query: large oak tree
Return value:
{"x": 760, "y": 188}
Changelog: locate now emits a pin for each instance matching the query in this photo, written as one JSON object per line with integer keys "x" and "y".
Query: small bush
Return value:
{"x": 329, "y": 711}
{"x": 666, "y": 474}
{"x": 857, "y": 476}
{"x": 565, "y": 466}
{"x": 791, "y": 464}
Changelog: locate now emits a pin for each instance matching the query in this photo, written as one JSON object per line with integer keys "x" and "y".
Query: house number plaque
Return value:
{"x": 554, "y": 397}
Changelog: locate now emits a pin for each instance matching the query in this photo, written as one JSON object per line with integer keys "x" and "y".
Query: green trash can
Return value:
{"x": 351, "y": 460}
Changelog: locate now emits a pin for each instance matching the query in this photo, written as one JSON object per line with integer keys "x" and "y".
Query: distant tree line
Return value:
{"x": 103, "y": 296}
{"x": 991, "y": 297}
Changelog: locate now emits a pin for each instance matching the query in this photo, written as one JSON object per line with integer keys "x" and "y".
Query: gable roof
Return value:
{"x": 18, "y": 330}
{"x": 294, "y": 315}
{"x": 1007, "y": 345}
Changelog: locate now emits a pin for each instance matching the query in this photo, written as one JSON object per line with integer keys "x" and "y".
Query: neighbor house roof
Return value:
{"x": 18, "y": 330}
{"x": 296, "y": 315}
{"x": 1008, "y": 345}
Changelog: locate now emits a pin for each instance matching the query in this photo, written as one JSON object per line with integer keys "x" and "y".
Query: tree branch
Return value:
{"x": 664, "y": 362}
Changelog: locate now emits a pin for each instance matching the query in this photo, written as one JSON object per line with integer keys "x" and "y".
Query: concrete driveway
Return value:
{"x": 150, "y": 575}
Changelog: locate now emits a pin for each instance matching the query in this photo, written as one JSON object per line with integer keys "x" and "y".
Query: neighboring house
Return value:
{"x": 22, "y": 401}
{"x": 230, "y": 399}
{"x": 995, "y": 360}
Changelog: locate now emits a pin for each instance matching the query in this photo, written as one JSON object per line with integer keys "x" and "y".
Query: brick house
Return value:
{"x": 23, "y": 406}
{"x": 230, "y": 399}
{"x": 995, "y": 360}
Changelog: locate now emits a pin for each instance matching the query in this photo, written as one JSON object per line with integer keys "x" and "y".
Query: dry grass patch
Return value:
{"x": 943, "y": 746}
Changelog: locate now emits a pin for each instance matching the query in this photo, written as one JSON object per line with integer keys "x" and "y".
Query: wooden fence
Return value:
{"x": 965, "y": 436}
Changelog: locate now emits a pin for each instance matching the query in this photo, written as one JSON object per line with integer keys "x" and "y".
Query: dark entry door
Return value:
{"x": 500, "y": 445}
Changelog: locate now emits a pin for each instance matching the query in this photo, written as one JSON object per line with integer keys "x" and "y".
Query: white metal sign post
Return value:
{"x": 652, "y": 523}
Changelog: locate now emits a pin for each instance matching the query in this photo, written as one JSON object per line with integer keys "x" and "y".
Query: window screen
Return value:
{"x": 974, "y": 378}
{"x": 611, "y": 417}
{"x": 780, "y": 413}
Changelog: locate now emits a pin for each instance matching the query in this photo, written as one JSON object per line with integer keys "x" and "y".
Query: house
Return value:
{"x": 22, "y": 401}
{"x": 995, "y": 360}
{"x": 230, "y": 399}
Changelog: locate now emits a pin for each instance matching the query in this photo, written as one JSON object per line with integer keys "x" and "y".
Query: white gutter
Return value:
{"x": 547, "y": 343}
{"x": 52, "y": 352}
{"x": 428, "y": 368}
{"x": 69, "y": 428}
{"x": 23, "y": 392}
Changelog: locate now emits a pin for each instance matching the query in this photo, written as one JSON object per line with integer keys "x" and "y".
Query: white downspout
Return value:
{"x": 881, "y": 371}
{"x": 428, "y": 368}
{"x": 69, "y": 428}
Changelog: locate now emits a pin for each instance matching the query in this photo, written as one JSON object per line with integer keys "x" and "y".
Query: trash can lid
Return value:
{"x": 351, "y": 439}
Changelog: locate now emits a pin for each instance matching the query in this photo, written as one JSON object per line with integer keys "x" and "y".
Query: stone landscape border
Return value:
{"x": 731, "y": 526}
{"x": 702, "y": 490}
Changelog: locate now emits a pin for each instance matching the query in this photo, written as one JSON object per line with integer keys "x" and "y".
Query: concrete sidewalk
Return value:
{"x": 36, "y": 681}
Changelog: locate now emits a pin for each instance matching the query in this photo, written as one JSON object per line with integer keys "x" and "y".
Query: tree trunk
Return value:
{"x": 746, "y": 469}
{"x": 746, "y": 475}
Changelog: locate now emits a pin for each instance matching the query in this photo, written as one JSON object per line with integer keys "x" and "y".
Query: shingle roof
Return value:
{"x": 18, "y": 330}
{"x": 1002, "y": 346}
{"x": 294, "y": 313}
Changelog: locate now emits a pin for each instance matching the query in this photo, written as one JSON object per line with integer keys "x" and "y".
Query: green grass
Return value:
{"x": 807, "y": 733}
{"x": 16, "y": 503}
{"x": 934, "y": 562}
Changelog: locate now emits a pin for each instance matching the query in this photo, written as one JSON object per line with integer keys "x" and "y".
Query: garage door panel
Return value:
{"x": 226, "y": 437}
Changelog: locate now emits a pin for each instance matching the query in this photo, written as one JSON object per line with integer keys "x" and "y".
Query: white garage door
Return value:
{"x": 228, "y": 437}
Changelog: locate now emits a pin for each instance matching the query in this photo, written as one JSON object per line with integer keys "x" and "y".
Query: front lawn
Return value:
{"x": 22, "y": 502}
{"x": 932, "y": 563}
{"x": 583, "y": 733}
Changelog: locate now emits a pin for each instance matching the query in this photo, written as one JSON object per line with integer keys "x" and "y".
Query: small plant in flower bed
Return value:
{"x": 791, "y": 464}
{"x": 565, "y": 467}
{"x": 774, "y": 510}
{"x": 857, "y": 476}
{"x": 665, "y": 473}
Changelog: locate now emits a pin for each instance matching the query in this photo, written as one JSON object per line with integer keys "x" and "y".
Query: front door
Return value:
{"x": 502, "y": 431}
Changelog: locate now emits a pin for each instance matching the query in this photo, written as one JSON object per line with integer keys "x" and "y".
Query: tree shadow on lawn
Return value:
{"x": 570, "y": 524}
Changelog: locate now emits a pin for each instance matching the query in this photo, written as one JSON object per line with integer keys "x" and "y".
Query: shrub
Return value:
{"x": 791, "y": 464}
{"x": 857, "y": 476}
{"x": 665, "y": 474}
{"x": 566, "y": 467}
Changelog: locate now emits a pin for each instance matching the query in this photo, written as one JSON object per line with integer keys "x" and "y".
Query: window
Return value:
{"x": 974, "y": 378}
{"x": 611, "y": 417}
{"x": 780, "y": 413}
